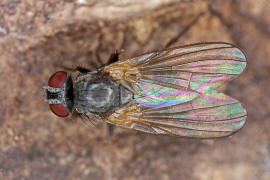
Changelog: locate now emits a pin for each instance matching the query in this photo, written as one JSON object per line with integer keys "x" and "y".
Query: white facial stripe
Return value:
{"x": 53, "y": 89}
{"x": 55, "y": 101}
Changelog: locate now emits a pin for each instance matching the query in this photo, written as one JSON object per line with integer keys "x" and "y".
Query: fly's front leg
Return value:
{"x": 77, "y": 69}
{"x": 81, "y": 70}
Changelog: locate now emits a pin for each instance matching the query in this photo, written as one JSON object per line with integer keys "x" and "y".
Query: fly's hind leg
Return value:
{"x": 110, "y": 129}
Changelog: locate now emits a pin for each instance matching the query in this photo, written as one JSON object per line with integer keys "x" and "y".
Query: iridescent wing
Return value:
{"x": 175, "y": 91}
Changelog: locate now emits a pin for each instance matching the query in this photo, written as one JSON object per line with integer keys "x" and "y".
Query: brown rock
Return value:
{"x": 38, "y": 37}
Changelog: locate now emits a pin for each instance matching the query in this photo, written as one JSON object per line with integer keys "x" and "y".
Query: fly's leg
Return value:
{"x": 114, "y": 56}
{"x": 74, "y": 115}
{"x": 81, "y": 70}
{"x": 110, "y": 129}
{"x": 76, "y": 69}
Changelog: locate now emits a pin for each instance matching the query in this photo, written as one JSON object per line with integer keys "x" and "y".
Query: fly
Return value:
{"x": 168, "y": 92}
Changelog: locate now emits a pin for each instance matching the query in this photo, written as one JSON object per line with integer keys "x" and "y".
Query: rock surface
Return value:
{"x": 38, "y": 37}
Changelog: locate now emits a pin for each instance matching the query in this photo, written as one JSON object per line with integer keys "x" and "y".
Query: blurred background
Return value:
{"x": 37, "y": 37}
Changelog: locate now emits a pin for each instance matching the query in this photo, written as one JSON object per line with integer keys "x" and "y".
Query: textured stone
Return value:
{"x": 39, "y": 37}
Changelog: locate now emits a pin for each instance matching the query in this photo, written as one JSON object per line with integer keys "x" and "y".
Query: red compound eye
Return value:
{"x": 58, "y": 79}
{"x": 59, "y": 110}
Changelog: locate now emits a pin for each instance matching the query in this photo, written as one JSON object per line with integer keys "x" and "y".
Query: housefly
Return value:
{"x": 168, "y": 92}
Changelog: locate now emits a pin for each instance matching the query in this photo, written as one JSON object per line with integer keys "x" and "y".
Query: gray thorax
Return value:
{"x": 100, "y": 95}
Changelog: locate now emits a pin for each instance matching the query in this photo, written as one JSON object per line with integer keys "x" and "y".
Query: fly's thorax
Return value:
{"x": 99, "y": 95}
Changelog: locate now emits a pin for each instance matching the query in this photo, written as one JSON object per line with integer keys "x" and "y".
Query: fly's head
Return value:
{"x": 59, "y": 93}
